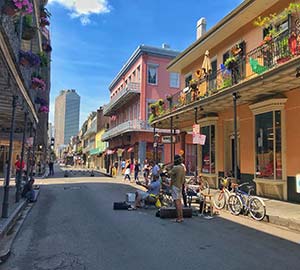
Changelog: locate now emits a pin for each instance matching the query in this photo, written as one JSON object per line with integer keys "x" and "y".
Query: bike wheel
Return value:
{"x": 219, "y": 199}
{"x": 235, "y": 204}
{"x": 257, "y": 208}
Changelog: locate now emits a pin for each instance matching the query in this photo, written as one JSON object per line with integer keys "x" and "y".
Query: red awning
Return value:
{"x": 130, "y": 149}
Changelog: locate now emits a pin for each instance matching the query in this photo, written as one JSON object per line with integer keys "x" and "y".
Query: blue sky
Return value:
{"x": 92, "y": 39}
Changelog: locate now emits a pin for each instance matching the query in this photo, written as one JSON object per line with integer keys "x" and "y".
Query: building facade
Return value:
{"x": 142, "y": 81}
{"x": 66, "y": 119}
{"x": 248, "y": 101}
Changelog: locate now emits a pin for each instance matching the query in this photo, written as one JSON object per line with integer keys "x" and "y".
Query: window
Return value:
{"x": 208, "y": 149}
{"x": 213, "y": 76}
{"x": 152, "y": 74}
{"x": 188, "y": 78}
{"x": 268, "y": 145}
{"x": 174, "y": 80}
{"x": 138, "y": 74}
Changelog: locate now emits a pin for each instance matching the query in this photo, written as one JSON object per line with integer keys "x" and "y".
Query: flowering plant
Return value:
{"x": 44, "y": 59}
{"x": 266, "y": 40}
{"x": 37, "y": 83}
{"x": 44, "y": 22}
{"x": 24, "y": 6}
{"x": 28, "y": 58}
{"x": 44, "y": 109}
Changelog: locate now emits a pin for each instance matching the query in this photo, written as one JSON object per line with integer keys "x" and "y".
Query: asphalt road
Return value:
{"x": 73, "y": 226}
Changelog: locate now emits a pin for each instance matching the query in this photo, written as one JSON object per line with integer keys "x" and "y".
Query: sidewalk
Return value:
{"x": 278, "y": 212}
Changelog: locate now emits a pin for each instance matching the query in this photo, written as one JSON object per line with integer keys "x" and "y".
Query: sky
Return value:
{"x": 92, "y": 39}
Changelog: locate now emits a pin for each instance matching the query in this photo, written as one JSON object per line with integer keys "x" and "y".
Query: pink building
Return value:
{"x": 142, "y": 81}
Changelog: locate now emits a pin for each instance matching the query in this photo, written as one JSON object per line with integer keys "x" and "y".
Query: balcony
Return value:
{"x": 267, "y": 70}
{"x": 129, "y": 126}
{"x": 126, "y": 94}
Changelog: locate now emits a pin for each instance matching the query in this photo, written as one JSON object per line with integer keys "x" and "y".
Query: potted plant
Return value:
{"x": 44, "y": 59}
{"x": 28, "y": 30}
{"x": 230, "y": 62}
{"x": 44, "y": 109}
{"x": 44, "y": 22}
{"x": 46, "y": 47}
{"x": 37, "y": 83}
{"x": 29, "y": 59}
{"x": 13, "y": 7}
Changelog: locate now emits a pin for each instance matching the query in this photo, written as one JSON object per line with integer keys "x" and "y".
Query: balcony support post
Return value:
{"x": 8, "y": 168}
{"x": 235, "y": 97}
{"x": 196, "y": 163}
{"x": 19, "y": 176}
{"x": 154, "y": 143}
{"x": 171, "y": 129}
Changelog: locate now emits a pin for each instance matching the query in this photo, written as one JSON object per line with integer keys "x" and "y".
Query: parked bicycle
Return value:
{"x": 222, "y": 195}
{"x": 243, "y": 201}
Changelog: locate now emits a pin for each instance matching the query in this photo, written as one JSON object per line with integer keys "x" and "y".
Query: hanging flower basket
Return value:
{"x": 28, "y": 33}
{"x": 46, "y": 48}
{"x": 29, "y": 59}
{"x": 38, "y": 84}
{"x": 9, "y": 9}
{"x": 44, "y": 109}
{"x": 44, "y": 22}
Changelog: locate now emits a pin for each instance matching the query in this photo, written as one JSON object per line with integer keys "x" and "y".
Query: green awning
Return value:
{"x": 96, "y": 151}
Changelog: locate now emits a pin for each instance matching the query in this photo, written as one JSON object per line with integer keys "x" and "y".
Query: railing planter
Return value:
{"x": 44, "y": 22}
{"x": 28, "y": 30}
{"x": 9, "y": 9}
{"x": 29, "y": 59}
{"x": 38, "y": 83}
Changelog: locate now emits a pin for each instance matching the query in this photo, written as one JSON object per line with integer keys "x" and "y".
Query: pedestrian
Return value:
{"x": 136, "y": 171}
{"x": 18, "y": 166}
{"x": 127, "y": 172}
{"x": 184, "y": 195}
{"x": 177, "y": 175}
{"x": 146, "y": 171}
{"x": 123, "y": 165}
{"x": 51, "y": 169}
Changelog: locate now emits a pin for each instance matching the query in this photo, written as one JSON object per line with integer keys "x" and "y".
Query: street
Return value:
{"x": 73, "y": 226}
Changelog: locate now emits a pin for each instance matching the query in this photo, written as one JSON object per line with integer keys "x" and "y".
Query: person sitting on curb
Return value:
{"x": 28, "y": 191}
{"x": 150, "y": 195}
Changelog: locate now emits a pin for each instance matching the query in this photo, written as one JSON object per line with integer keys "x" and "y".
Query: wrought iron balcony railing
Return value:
{"x": 268, "y": 55}
{"x": 132, "y": 125}
{"x": 122, "y": 97}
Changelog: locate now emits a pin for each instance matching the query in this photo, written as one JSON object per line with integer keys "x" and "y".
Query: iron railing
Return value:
{"x": 132, "y": 125}
{"x": 268, "y": 55}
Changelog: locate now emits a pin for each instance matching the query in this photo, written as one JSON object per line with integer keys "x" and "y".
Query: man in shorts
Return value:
{"x": 177, "y": 175}
{"x": 150, "y": 195}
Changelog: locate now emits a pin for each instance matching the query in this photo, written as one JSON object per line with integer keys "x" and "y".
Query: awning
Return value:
{"x": 96, "y": 151}
{"x": 130, "y": 149}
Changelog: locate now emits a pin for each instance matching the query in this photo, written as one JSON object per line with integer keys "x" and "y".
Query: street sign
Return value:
{"x": 167, "y": 139}
{"x": 298, "y": 183}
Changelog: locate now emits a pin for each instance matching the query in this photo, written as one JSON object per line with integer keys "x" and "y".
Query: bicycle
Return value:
{"x": 222, "y": 195}
{"x": 243, "y": 201}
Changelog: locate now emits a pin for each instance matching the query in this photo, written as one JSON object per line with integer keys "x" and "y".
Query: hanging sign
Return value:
{"x": 120, "y": 151}
{"x": 199, "y": 138}
{"x": 298, "y": 183}
{"x": 196, "y": 128}
{"x": 167, "y": 139}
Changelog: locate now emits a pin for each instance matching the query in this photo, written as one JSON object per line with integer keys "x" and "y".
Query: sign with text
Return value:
{"x": 167, "y": 139}
{"x": 199, "y": 138}
{"x": 196, "y": 128}
{"x": 298, "y": 183}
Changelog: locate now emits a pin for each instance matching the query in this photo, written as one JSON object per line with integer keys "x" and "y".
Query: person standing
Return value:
{"x": 136, "y": 171}
{"x": 146, "y": 171}
{"x": 18, "y": 166}
{"x": 127, "y": 172}
{"x": 177, "y": 175}
{"x": 51, "y": 169}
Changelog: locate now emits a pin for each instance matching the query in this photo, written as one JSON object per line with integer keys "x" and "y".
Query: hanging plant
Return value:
{"x": 37, "y": 83}
{"x": 230, "y": 62}
{"x": 47, "y": 47}
{"x": 28, "y": 30}
{"x": 44, "y": 109}
{"x": 44, "y": 22}
{"x": 29, "y": 59}
{"x": 24, "y": 6}
{"x": 193, "y": 83}
{"x": 44, "y": 59}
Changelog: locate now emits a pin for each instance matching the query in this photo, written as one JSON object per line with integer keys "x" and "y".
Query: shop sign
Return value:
{"x": 199, "y": 138}
{"x": 167, "y": 139}
{"x": 298, "y": 183}
{"x": 120, "y": 151}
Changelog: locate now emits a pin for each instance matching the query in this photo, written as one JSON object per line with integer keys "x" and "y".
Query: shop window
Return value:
{"x": 208, "y": 150}
{"x": 268, "y": 145}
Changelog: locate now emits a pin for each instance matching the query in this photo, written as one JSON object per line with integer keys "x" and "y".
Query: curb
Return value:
{"x": 284, "y": 222}
{"x": 12, "y": 227}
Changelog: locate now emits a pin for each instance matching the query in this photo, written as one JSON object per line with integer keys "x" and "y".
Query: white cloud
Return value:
{"x": 82, "y": 9}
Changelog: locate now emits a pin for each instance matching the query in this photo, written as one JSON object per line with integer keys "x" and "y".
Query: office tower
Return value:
{"x": 66, "y": 122}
